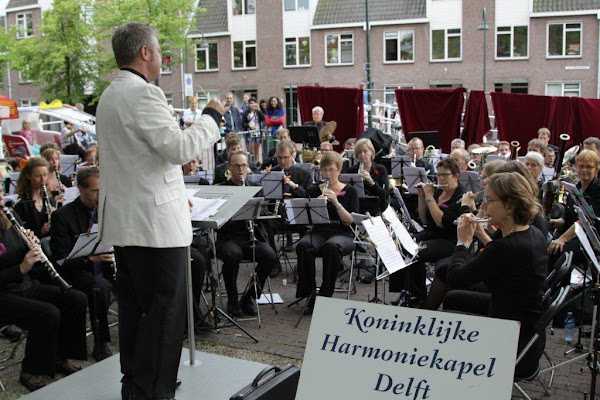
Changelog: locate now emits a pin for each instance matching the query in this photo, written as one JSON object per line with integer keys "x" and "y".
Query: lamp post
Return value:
{"x": 368, "y": 68}
{"x": 484, "y": 27}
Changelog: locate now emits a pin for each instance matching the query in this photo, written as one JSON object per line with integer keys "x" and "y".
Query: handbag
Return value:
{"x": 272, "y": 383}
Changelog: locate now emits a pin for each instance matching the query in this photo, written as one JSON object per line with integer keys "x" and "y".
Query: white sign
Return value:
{"x": 188, "y": 84}
{"x": 358, "y": 351}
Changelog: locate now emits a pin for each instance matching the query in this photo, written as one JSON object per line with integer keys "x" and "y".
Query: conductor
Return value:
{"x": 143, "y": 210}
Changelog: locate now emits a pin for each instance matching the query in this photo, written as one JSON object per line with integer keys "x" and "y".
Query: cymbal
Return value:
{"x": 484, "y": 150}
{"x": 326, "y": 132}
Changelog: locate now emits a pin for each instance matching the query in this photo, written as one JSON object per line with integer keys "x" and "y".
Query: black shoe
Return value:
{"x": 234, "y": 310}
{"x": 275, "y": 271}
{"x": 101, "y": 351}
{"x": 12, "y": 333}
{"x": 34, "y": 382}
{"x": 248, "y": 307}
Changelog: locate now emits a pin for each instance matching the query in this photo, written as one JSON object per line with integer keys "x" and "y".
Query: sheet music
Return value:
{"x": 203, "y": 209}
{"x": 398, "y": 163}
{"x": 84, "y": 247}
{"x": 384, "y": 244}
{"x": 583, "y": 239}
{"x": 356, "y": 181}
{"x": 272, "y": 184}
{"x": 407, "y": 242}
{"x": 297, "y": 213}
{"x": 71, "y": 193}
{"x": 414, "y": 175}
{"x": 68, "y": 164}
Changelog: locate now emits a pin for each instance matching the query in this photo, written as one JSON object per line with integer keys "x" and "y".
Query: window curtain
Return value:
{"x": 477, "y": 119}
{"x": 342, "y": 105}
{"x": 431, "y": 110}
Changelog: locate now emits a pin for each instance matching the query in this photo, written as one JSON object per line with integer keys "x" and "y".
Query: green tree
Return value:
{"x": 62, "y": 60}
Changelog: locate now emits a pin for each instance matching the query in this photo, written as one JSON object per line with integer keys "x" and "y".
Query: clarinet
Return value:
{"x": 34, "y": 246}
{"x": 47, "y": 204}
{"x": 61, "y": 187}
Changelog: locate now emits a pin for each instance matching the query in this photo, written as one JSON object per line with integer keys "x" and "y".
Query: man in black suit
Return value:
{"x": 92, "y": 275}
{"x": 297, "y": 179}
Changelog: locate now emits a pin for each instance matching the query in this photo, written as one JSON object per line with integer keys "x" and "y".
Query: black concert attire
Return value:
{"x": 380, "y": 189}
{"x": 31, "y": 217}
{"x": 94, "y": 279}
{"x": 331, "y": 242}
{"x": 220, "y": 170}
{"x": 234, "y": 245}
{"x": 516, "y": 284}
{"x": 54, "y": 319}
{"x": 320, "y": 125}
{"x": 437, "y": 242}
{"x": 300, "y": 176}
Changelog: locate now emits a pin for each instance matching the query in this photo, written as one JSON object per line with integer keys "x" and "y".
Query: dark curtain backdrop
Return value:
{"x": 519, "y": 116}
{"x": 477, "y": 119}
{"x": 431, "y": 110}
{"x": 342, "y": 105}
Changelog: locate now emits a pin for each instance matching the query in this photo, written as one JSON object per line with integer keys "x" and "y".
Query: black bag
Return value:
{"x": 281, "y": 385}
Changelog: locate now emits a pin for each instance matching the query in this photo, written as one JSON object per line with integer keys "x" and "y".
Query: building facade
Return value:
{"x": 270, "y": 47}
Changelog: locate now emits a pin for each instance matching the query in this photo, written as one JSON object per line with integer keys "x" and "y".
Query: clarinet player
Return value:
{"x": 144, "y": 212}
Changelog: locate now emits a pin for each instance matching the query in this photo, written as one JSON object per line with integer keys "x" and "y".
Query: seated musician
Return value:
{"x": 282, "y": 134}
{"x": 297, "y": 179}
{"x": 93, "y": 275}
{"x": 592, "y": 143}
{"x": 416, "y": 151}
{"x": 32, "y": 208}
{"x": 537, "y": 145}
{"x": 332, "y": 241}
{"x": 587, "y": 165}
{"x": 504, "y": 149}
{"x": 517, "y": 286}
{"x": 234, "y": 244}
{"x": 374, "y": 175}
{"x": 233, "y": 145}
{"x": 57, "y": 182}
{"x": 54, "y": 319}
{"x": 544, "y": 135}
{"x": 461, "y": 156}
{"x": 534, "y": 162}
{"x": 550, "y": 158}
{"x": 438, "y": 209}
{"x": 457, "y": 144}
{"x": 317, "y": 118}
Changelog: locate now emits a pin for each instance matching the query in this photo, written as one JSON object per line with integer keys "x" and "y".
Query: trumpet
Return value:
{"x": 516, "y": 146}
{"x": 32, "y": 245}
{"x": 472, "y": 165}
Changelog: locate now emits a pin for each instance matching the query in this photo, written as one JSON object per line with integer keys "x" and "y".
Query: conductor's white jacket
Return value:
{"x": 141, "y": 149}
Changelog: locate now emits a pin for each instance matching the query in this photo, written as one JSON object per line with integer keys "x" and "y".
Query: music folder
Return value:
{"x": 87, "y": 245}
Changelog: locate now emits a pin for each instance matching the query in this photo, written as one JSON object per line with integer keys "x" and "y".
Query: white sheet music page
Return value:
{"x": 203, "y": 209}
{"x": 400, "y": 231}
{"x": 583, "y": 239}
{"x": 386, "y": 248}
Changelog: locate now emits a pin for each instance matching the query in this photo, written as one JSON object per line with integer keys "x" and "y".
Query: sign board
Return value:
{"x": 189, "y": 85}
{"x": 358, "y": 351}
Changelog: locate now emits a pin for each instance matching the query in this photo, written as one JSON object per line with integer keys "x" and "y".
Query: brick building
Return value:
{"x": 269, "y": 47}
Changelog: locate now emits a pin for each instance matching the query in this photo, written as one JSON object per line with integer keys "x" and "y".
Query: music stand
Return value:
{"x": 307, "y": 135}
{"x": 68, "y": 164}
{"x": 271, "y": 182}
{"x": 413, "y": 176}
{"x": 398, "y": 164}
{"x": 580, "y": 200}
{"x": 356, "y": 181}
{"x": 470, "y": 181}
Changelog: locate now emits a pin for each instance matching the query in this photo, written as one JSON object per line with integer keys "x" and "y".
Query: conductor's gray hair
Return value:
{"x": 128, "y": 39}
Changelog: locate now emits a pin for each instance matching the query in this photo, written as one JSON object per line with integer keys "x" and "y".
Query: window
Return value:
{"x": 511, "y": 87}
{"x": 244, "y": 7}
{"x": 564, "y": 40}
{"x": 297, "y": 51}
{"x": 27, "y": 103}
{"x": 399, "y": 46}
{"x": 511, "y": 41}
{"x": 244, "y": 54}
{"x": 293, "y": 5}
{"x": 166, "y": 65}
{"x": 569, "y": 89}
{"x": 444, "y": 85}
{"x": 446, "y": 44}
{"x": 204, "y": 97}
{"x": 207, "y": 57}
{"x": 24, "y": 25}
{"x": 339, "y": 49}
{"x": 291, "y": 105}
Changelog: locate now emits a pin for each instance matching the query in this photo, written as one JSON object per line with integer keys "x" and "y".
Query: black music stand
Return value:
{"x": 397, "y": 165}
{"x": 356, "y": 181}
{"x": 470, "y": 181}
{"x": 306, "y": 211}
{"x": 414, "y": 176}
{"x": 307, "y": 135}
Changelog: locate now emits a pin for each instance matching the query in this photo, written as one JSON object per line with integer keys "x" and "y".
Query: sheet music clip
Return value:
{"x": 307, "y": 211}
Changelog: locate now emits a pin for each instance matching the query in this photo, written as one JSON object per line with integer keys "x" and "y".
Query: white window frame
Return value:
{"x": 297, "y": 43}
{"x": 512, "y": 42}
{"x": 564, "y": 37}
{"x": 296, "y": 7}
{"x": 562, "y": 83}
{"x": 339, "y": 35}
{"x": 243, "y": 8}
{"x": 399, "y": 61}
{"x": 446, "y": 36}
{"x": 22, "y": 33}
{"x": 206, "y": 47}
{"x": 27, "y": 103}
{"x": 244, "y": 46}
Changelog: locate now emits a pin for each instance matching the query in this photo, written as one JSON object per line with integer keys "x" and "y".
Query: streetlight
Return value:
{"x": 484, "y": 27}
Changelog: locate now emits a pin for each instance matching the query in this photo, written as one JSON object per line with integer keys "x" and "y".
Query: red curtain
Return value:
{"x": 587, "y": 118}
{"x": 343, "y": 105}
{"x": 431, "y": 110}
{"x": 477, "y": 119}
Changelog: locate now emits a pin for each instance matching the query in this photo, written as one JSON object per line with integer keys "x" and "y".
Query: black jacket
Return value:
{"x": 299, "y": 176}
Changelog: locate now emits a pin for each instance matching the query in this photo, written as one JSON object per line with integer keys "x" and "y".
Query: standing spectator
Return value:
{"x": 262, "y": 105}
{"x": 275, "y": 117}
{"x": 26, "y": 132}
{"x": 245, "y": 103}
{"x": 233, "y": 116}
{"x": 191, "y": 114}
{"x": 253, "y": 120}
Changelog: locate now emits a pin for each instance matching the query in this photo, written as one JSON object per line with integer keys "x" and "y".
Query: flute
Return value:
{"x": 35, "y": 246}
{"x": 476, "y": 220}
{"x": 435, "y": 185}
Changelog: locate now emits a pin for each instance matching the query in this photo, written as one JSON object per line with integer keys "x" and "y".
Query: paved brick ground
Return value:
{"x": 281, "y": 343}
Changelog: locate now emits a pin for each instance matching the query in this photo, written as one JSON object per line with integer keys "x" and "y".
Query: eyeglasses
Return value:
{"x": 240, "y": 166}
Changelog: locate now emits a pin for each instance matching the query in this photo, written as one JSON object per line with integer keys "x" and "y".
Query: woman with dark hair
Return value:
{"x": 275, "y": 115}
{"x": 515, "y": 283}
{"x": 54, "y": 319}
{"x": 32, "y": 206}
{"x": 438, "y": 209}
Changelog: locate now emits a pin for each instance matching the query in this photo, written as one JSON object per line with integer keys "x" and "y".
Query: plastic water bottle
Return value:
{"x": 569, "y": 328}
